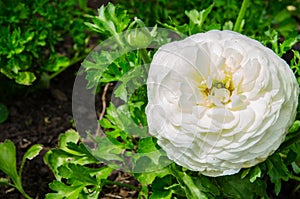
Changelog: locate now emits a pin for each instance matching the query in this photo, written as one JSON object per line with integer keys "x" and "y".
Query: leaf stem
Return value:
{"x": 145, "y": 56}
{"x": 121, "y": 184}
{"x": 295, "y": 178}
{"x": 238, "y": 23}
{"x": 72, "y": 62}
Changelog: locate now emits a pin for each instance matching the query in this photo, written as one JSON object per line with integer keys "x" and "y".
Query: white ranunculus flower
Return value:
{"x": 219, "y": 101}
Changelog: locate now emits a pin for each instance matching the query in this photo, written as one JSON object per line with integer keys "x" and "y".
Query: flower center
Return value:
{"x": 217, "y": 91}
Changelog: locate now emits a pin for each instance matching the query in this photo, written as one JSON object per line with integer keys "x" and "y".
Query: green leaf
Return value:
{"x": 147, "y": 145}
{"x": 235, "y": 187}
{"x": 69, "y": 136}
{"x": 277, "y": 171}
{"x": 288, "y": 43}
{"x": 121, "y": 118}
{"x": 296, "y": 168}
{"x": 295, "y": 126}
{"x": 165, "y": 194}
{"x": 160, "y": 188}
{"x": 3, "y": 113}
{"x": 77, "y": 172}
{"x": 146, "y": 178}
{"x": 197, "y": 17}
{"x": 32, "y": 152}
{"x": 25, "y": 78}
{"x": 255, "y": 173}
{"x": 110, "y": 21}
{"x": 187, "y": 183}
{"x": 8, "y": 160}
{"x": 102, "y": 173}
{"x": 64, "y": 191}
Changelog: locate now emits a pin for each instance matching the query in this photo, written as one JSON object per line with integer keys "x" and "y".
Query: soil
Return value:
{"x": 40, "y": 118}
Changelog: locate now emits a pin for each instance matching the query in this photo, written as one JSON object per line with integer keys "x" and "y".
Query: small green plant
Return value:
{"x": 72, "y": 165}
{"x": 9, "y": 166}
{"x": 40, "y": 39}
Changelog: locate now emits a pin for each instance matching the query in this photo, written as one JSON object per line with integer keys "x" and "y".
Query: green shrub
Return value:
{"x": 40, "y": 38}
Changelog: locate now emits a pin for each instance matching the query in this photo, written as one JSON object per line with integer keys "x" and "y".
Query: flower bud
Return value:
{"x": 139, "y": 37}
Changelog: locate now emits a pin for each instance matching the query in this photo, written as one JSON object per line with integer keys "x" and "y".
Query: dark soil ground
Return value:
{"x": 40, "y": 118}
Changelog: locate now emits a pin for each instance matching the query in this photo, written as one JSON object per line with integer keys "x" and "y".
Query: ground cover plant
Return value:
{"x": 83, "y": 162}
{"x": 39, "y": 39}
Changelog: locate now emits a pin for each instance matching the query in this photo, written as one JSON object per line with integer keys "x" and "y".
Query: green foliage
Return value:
{"x": 260, "y": 15}
{"x": 124, "y": 144}
{"x": 125, "y": 133}
{"x": 70, "y": 162}
{"x": 9, "y": 166}
{"x": 32, "y": 33}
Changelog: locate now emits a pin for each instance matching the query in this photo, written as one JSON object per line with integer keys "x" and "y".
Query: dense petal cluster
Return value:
{"x": 219, "y": 101}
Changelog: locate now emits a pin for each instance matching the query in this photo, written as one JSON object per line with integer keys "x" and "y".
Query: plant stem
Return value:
{"x": 75, "y": 60}
{"x": 121, "y": 184}
{"x": 238, "y": 23}
{"x": 145, "y": 56}
{"x": 19, "y": 187}
{"x": 295, "y": 178}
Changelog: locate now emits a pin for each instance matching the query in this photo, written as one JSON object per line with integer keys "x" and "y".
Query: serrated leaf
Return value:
{"x": 110, "y": 21}
{"x": 235, "y": 187}
{"x": 277, "y": 171}
{"x": 77, "y": 172}
{"x": 107, "y": 151}
{"x": 289, "y": 43}
{"x": 68, "y": 151}
{"x": 121, "y": 118}
{"x": 64, "y": 191}
{"x": 25, "y": 78}
{"x": 33, "y": 151}
{"x": 69, "y": 136}
{"x": 57, "y": 157}
{"x": 147, "y": 145}
{"x": 187, "y": 183}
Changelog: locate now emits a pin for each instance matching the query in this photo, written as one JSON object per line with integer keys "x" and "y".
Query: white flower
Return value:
{"x": 219, "y": 101}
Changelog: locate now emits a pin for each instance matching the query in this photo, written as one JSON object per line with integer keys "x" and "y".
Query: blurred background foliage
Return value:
{"x": 282, "y": 15}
